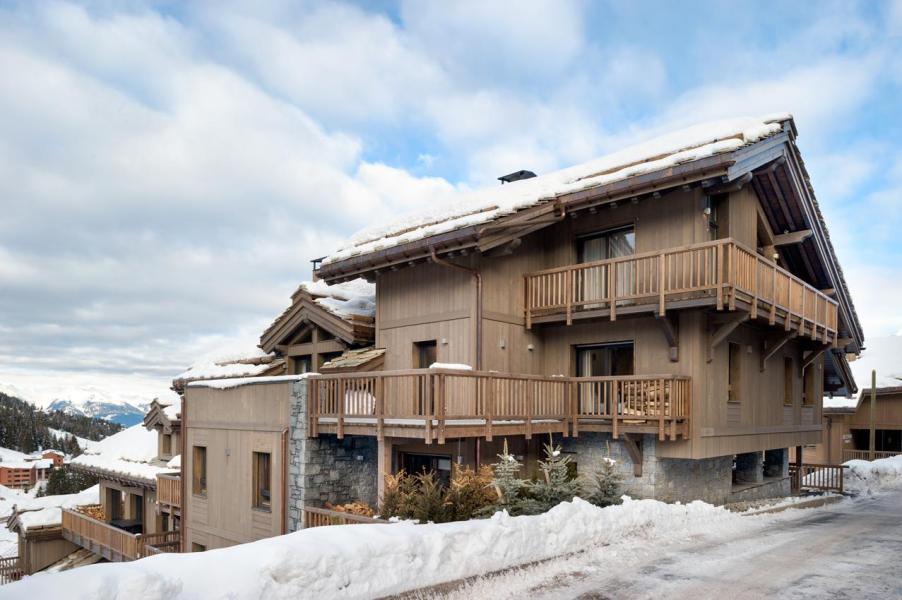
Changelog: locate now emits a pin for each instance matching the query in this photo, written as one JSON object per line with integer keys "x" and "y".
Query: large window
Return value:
{"x": 788, "y": 381}
{"x": 602, "y": 360}
{"x": 199, "y": 471}
{"x": 262, "y": 481}
{"x": 734, "y": 372}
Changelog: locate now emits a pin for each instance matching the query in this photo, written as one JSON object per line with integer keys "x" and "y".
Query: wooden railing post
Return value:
{"x": 527, "y": 301}
{"x": 440, "y": 408}
{"x": 489, "y": 405}
{"x": 719, "y": 276}
{"x": 380, "y": 407}
{"x": 568, "y": 291}
{"x": 612, "y": 290}
{"x": 530, "y": 397}
{"x": 341, "y": 409}
{"x": 615, "y": 408}
{"x": 429, "y": 392}
{"x": 661, "y": 282}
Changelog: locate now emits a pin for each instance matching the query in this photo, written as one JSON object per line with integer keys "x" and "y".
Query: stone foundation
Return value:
{"x": 326, "y": 469}
{"x": 665, "y": 479}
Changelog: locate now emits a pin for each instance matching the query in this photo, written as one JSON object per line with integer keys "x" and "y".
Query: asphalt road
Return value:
{"x": 851, "y": 551}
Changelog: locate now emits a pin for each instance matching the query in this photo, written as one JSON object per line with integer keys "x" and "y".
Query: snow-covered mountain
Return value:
{"x": 123, "y": 404}
{"x": 123, "y": 413}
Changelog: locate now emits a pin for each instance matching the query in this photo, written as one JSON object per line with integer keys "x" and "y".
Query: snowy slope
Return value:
{"x": 123, "y": 413}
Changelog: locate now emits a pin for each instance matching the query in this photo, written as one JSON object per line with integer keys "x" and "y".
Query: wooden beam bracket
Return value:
{"x": 634, "y": 449}
{"x": 773, "y": 345}
{"x": 724, "y": 330}
{"x": 792, "y": 237}
{"x": 671, "y": 333}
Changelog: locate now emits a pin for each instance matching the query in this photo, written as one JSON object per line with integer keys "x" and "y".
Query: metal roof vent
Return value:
{"x": 516, "y": 176}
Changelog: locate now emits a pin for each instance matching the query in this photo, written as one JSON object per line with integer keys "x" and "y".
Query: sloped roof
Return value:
{"x": 483, "y": 206}
{"x": 355, "y": 360}
{"x": 883, "y": 355}
{"x": 346, "y": 310}
{"x": 251, "y": 362}
{"x": 129, "y": 454}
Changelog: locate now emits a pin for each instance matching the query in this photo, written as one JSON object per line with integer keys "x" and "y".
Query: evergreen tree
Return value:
{"x": 64, "y": 481}
{"x": 553, "y": 486}
{"x": 507, "y": 484}
{"x": 603, "y": 488}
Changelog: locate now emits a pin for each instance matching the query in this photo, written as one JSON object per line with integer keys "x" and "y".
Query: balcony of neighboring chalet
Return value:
{"x": 439, "y": 404}
{"x": 722, "y": 274}
{"x": 116, "y": 540}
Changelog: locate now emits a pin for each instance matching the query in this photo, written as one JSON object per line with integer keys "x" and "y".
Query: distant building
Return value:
{"x": 18, "y": 474}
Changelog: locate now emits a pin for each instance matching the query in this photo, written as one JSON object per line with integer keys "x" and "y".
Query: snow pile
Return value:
{"x": 129, "y": 452}
{"x": 47, "y": 511}
{"x": 356, "y": 298}
{"x": 884, "y": 355}
{"x": 451, "y": 366}
{"x": 869, "y": 477}
{"x": 482, "y": 206}
{"x": 367, "y": 561}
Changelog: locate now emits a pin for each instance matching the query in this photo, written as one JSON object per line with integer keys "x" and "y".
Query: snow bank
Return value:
{"x": 128, "y": 452}
{"x": 482, "y": 206}
{"x": 869, "y": 477}
{"x": 366, "y": 561}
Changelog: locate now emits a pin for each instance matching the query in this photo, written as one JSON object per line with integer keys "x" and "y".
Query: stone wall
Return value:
{"x": 326, "y": 469}
{"x": 666, "y": 479}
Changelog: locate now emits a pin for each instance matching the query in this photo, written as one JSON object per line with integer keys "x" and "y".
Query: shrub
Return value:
{"x": 422, "y": 497}
{"x": 471, "y": 492}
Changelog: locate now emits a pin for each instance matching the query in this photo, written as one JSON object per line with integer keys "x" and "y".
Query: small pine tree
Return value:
{"x": 507, "y": 485}
{"x": 553, "y": 486}
{"x": 603, "y": 487}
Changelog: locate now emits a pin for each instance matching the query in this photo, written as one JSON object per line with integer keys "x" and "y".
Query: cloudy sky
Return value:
{"x": 169, "y": 169}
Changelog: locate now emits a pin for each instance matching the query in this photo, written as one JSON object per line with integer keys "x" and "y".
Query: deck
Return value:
{"x": 440, "y": 404}
{"x": 722, "y": 274}
{"x": 110, "y": 542}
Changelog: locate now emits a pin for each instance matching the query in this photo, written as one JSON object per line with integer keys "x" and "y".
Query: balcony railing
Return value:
{"x": 169, "y": 490}
{"x": 849, "y": 454}
{"x": 718, "y": 272}
{"x": 10, "y": 570}
{"x": 159, "y": 543}
{"x": 440, "y": 403}
{"x": 321, "y": 517}
{"x": 100, "y": 538}
{"x": 821, "y": 478}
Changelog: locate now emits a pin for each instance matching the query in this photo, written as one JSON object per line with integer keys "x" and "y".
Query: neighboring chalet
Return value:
{"x": 677, "y": 303}
{"x": 236, "y": 454}
{"x": 128, "y": 522}
{"x": 847, "y": 422}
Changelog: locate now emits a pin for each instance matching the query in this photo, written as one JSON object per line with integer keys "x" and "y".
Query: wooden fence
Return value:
{"x": 169, "y": 490}
{"x": 320, "y": 517}
{"x": 717, "y": 269}
{"x": 827, "y": 478}
{"x": 9, "y": 570}
{"x": 439, "y": 398}
{"x": 849, "y": 454}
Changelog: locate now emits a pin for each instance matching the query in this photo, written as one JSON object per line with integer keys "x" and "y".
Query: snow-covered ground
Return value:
{"x": 581, "y": 547}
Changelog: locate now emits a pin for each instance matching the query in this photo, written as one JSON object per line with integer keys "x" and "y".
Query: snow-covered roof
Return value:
{"x": 17, "y": 464}
{"x": 43, "y": 463}
{"x": 224, "y": 384}
{"x": 130, "y": 453}
{"x": 481, "y": 206}
{"x": 47, "y": 510}
{"x": 247, "y": 361}
{"x": 355, "y": 298}
{"x": 10, "y": 455}
{"x": 883, "y": 354}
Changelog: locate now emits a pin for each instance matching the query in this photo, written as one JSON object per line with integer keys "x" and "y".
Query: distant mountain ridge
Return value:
{"x": 124, "y": 414}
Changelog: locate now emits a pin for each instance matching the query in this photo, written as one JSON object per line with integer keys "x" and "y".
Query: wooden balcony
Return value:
{"x": 438, "y": 404}
{"x": 169, "y": 490}
{"x": 721, "y": 273}
{"x": 110, "y": 542}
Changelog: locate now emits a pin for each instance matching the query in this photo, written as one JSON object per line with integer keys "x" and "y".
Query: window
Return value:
{"x": 602, "y": 360}
{"x": 262, "y": 480}
{"x": 166, "y": 445}
{"x": 788, "y": 383}
{"x": 424, "y": 354}
{"x": 809, "y": 394}
{"x": 613, "y": 243}
{"x": 734, "y": 372}
{"x": 437, "y": 464}
{"x": 199, "y": 471}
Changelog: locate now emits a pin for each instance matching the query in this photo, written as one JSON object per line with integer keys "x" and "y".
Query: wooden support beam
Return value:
{"x": 807, "y": 360}
{"x": 793, "y": 237}
{"x": 634, "y": 449}
{"x": 671, "y": 334}
{"x": 773, "y": 346}
{"x": 724, "y": 330}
